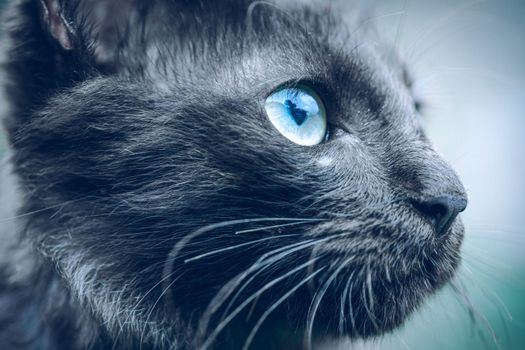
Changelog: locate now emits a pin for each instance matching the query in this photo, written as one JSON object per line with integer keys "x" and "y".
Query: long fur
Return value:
{"x": 156, "y": 206}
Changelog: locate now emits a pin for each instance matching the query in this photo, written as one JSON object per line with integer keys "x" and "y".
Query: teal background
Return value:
{"x": 2, "y": 136}
{"x": 469, "y": 63}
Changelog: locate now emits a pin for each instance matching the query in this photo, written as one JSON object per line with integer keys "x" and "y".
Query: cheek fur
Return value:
{"x": 325, "y": 161}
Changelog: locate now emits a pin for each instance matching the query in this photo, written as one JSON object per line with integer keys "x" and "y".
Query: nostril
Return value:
{"x": 441, "y": 211}
{"x": 439, "y": 214}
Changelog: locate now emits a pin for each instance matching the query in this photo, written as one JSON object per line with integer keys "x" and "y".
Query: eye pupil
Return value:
{"x": 299, "y": 115}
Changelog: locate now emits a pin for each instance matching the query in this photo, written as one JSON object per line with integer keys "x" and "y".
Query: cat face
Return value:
{"x": 181, "y": 211}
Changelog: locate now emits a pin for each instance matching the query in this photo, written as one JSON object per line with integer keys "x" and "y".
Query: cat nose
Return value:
{"x": 441, "y": 211}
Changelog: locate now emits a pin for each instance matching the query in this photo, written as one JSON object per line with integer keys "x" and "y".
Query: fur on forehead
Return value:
{"x": 133, "y": 34}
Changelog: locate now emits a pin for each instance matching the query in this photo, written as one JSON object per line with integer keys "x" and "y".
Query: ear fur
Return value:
{"x": 95, "y": 26}
{"x": 105, "y": 25}
{"x": 57, "y": 25}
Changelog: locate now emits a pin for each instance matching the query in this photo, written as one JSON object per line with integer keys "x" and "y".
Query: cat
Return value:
{"x": 213, "y": 175}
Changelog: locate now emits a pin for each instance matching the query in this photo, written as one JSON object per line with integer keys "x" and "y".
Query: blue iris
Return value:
{"x": 299, "y": 114}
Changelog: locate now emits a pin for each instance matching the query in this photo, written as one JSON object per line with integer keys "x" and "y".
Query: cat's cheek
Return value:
{"x": 325, "y": 161}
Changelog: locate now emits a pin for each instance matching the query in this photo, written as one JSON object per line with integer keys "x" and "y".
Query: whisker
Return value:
{"x": 137, "y": 305}
{"x": 351, "y": 307}
{"x": 441, "y": 22}
{"x": 475, "y": 224}
{"x": 152, "y": 308}
{"x": 23, "y": 215}
{"x": 317, "y": 301}
{"x": 342, "y": 317}
{"x": 168, "y": 264}
{"x": 474, "y": 313}
{"x": 366, "y": 303}
{"x": 492, "y": 296}
{"x": 261, "y": 267}
{"x": 503, "y": 240}
{"x": 277, "y": 226}
{"x": 496, "y": 272}
{"x": 401, "y": 25}
{"x": 417, "y": 57}
{"x": 235, "y": 312}
{"x": 222, "y": 250}
{"x": 369, "y": 285}
{"x": 276, "y": 304}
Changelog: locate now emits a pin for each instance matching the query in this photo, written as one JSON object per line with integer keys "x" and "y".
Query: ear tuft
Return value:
{"x": 57, "y": 25}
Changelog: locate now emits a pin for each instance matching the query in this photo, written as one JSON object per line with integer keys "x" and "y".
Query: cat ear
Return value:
{"x": 96, "y": 25}
{"x": 57, "y": 25}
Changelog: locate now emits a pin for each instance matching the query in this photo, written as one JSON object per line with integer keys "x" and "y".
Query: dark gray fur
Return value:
{"x": 136, "y": 127}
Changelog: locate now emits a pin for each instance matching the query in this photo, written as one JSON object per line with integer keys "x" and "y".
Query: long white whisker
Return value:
{"x": 475, "y": 314}
{"x": 489, "y": 294}
{"x": 275, "y": 305}
{"x": 401, "y": 24}
{"x": 351, "y": 306}
{"x": 342, "y": 317}
{"x": 277, "y": 226}
{"x": 368, "y": 297}
{"x": 233, "y": 247}
{"x": 259, "y": 267}
{"x": 369, "y": 286}
{"x": 317, "y": 301}
{"x": 168, "y": 264}
{"x": 235, "y": 312}
{"x": 276, "y": 258}
{"x": 441, "y": 21}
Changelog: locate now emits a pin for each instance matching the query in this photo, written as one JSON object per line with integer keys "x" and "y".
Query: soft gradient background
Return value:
{"x": 468, "y": 58}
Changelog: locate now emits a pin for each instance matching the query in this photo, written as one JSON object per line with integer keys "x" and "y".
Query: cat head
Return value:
{"x": 197, "y": 168}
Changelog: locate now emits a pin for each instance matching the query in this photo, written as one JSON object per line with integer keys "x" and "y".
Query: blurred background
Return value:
{"x": 468, "y": 60}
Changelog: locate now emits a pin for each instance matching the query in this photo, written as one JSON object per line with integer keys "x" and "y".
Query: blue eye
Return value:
{"x": 299, "y": 114}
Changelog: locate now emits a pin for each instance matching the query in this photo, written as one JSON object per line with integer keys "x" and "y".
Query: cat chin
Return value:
{"x": 367, "y": 318}
{"x": 402, "y": 283}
